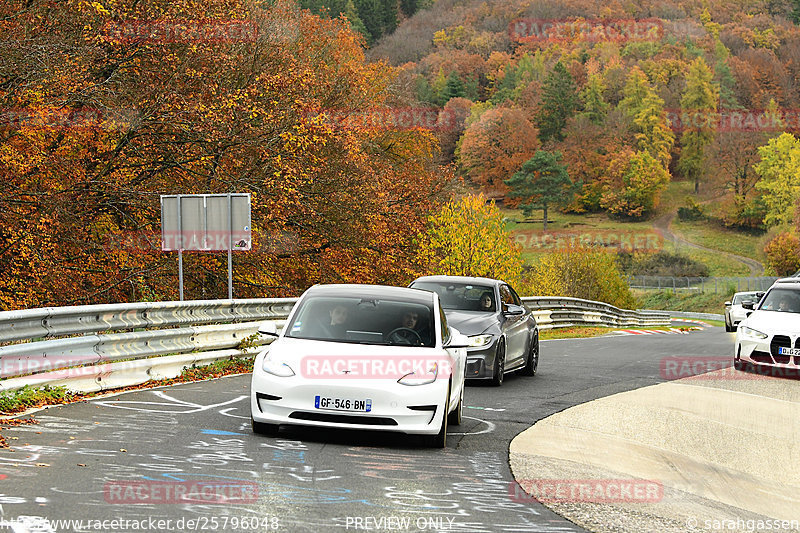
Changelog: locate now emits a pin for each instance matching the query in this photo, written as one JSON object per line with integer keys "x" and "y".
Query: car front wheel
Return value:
{"x": 263, "y": 428}
{"x": 533, "y": 359}
{"x": 499, "y": 363}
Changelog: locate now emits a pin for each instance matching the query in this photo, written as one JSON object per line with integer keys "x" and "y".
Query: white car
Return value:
{"x": 363, "y": 357}
{"x": 770, "y": 335}
{"x": 734, "y": 312}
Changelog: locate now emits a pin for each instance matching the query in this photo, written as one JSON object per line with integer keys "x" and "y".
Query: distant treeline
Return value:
{"x": 371, "y": 18}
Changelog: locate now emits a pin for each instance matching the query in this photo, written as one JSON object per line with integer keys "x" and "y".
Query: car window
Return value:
{"x": 461, "y": 296}
{"x": 517, "y": 299}
{"x": 363, "y": 321}
{"x": 782, "y": 300}
{"x": 505, "y": 295}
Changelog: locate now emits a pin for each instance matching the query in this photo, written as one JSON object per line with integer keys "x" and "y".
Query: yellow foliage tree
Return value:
{"x": 579, "y": 273}
{"x": 468, "y": 237}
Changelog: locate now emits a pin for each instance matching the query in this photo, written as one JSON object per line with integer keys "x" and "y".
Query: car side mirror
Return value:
{"x": 268, "y": 328}
{"x": 749, "y": 305}
{"x": 727, "y": 304}
{"x": 456, "y": 340}
{"x": 513, "y": 310}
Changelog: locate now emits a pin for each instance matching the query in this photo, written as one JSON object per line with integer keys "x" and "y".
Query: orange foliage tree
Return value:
{"x": 494, "y": 147}
{"x": 114, "y": 104}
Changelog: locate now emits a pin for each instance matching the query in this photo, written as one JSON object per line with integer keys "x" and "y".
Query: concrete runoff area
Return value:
{"x": 722, "y": 450}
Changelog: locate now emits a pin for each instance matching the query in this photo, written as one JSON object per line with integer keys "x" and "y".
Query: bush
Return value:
{"x": 692, "y": 211}
{"x": 576, "y": 272}
{"x": 783, "y": 253}
{"x": 660, "y": 263}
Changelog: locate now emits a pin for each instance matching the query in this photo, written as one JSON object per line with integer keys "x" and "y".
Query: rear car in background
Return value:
{"x": 503, "y": 335}
{"x": 734, "y": 312}
{"x": 770, "y": 335}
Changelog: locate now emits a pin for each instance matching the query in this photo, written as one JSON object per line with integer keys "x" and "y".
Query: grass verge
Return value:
{"x": 692, "y": 302}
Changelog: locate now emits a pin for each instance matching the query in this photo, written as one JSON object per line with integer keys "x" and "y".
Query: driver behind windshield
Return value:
{"x": 410, "y": 331}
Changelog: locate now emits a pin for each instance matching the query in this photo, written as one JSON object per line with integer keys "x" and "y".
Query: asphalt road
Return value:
{"x": 93, "y": 461}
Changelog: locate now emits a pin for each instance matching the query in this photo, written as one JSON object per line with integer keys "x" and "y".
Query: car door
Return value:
{"x": 514, "y": 328}
{"x": 457, "y": 355}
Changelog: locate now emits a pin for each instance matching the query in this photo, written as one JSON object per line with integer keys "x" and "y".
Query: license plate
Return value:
{"x": 343, "y": 404}
{"x": 789, "y": 351}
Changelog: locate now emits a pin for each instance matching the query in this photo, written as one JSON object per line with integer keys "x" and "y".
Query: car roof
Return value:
{"x": 787, "y": 283}
{"x": 373, "y": 291}
{"x": 747, "y": 292}
{"x": 461, "y": 279}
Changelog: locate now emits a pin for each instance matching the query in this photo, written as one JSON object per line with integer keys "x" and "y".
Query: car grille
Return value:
{"x": 780, "y": 341}
{"x": 344, "y": 419}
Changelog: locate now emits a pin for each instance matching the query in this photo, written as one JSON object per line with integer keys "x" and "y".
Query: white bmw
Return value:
{"x": 363, "y": 357}
{"x": 770, "y": 335}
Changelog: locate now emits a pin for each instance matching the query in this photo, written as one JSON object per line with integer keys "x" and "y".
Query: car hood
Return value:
{"x": 470, "y": 322}
{"x": 774, "y": 322}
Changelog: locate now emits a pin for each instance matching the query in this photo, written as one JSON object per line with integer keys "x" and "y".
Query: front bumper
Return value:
{"x": 394, "y": 407}
{"x": 480, "y": 361}
{"x": 765, "y": 351}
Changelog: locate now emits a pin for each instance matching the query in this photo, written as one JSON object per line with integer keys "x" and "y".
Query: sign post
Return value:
{"x": 207, "y": 223}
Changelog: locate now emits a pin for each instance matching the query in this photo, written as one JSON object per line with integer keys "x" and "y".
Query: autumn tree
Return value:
{"x": 540, "y": 183}
{"x": 595, "y": 106}
{"x": 633, "y": 185}
{"x": 699, "y": 101}
{"x": 560, "y": 101}
{"x": 779, "y": 170}
{"x": 494, "y": 147}
{"x": 468, "y": 237}
{"x": 280, "y": 106}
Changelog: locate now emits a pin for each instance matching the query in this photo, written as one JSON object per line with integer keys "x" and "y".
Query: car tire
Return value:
{"x": 457, "y": 416}
{"x": 727, "y": 327}
{"x": 440, "y": 439}
{"x": 263, "y": 428}
{"x": 499, "y": 363}
{"x": 533, "y": 359}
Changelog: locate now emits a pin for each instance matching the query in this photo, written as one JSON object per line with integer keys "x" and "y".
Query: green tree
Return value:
{"x": 454, "y": 88}
{"x": 699, "y": 102}
{"x": 595, "y": 106}
{"x": 541, "y": 182}
{"x": 559, "y": 102}
{"x": 356, "y": 23}
{"x": 779, "y": 170}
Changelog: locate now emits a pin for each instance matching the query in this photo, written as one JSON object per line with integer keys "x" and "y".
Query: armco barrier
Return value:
{"x": 81, "y": 347}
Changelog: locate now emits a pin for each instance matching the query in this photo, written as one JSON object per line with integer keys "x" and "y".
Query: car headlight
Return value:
{"x": 276, "y": 368}
{"x": 753, "y": 333}
{"x": 422, "y": 378}
{"x": 476, "y": 341}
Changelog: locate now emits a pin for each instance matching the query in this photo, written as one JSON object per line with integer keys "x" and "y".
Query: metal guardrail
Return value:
{"x": 78, "y": 346}
{"x": 717, "y": 285}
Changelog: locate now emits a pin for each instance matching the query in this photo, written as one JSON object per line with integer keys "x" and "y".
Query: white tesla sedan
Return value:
{"x": 362, "y": 357}
{"x": 770, "y": 335}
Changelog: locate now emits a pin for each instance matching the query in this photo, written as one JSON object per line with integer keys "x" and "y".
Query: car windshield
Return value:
{"x": 363, "y": 321}
{"x": 739, "y": 299}
{"x": 461, "y": 296}
{"x": 783, "y": 300}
